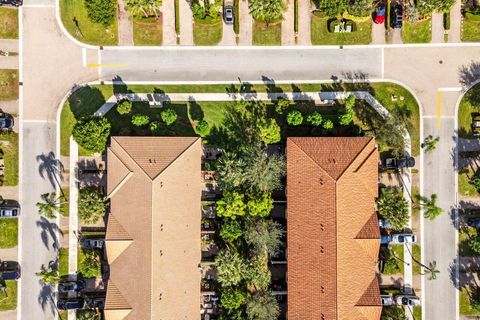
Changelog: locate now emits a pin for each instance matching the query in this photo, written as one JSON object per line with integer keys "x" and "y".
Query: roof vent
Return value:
{"x": 322, "y": 227}
{"x": 332, "y": 160}
{"x": 322, "y": 288}
{"x": 152, "y": 161}
{"x": 322, "y": 249}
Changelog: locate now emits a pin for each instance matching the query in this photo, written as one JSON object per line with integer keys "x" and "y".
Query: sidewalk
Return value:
{"x": 9, "y": 45}
{"x": 304, "y": 21}
{"x": 378, "y": 33}
{"x": 437, "y": 28}
{"x": 186, "y": 23}
{"x": 246, "y": 22}
{"x": 455, "y": 23}
{"x": 288, "y": 30}
{"x": 168, "y": 16}
{"x": 10, "y": 62}
{"x": 125, "y": 25}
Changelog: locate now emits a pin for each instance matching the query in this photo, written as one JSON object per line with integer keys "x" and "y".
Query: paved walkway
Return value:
{"x": 9, "y": 192}
{"x": 8, "y": 315}
{"x": 395, "y": 36}
{"x": 246, "y": 22}
{"x": 288, "y": 30}
{"x": 437, "y": 28}
{"x": 125, "y": 25}
{"x": 228, "y": 35}
{"x": 186, "y": 23}
{"x": 455, "y": 23}
{"x": 10, "y": 62}
{"x": 73, "y": 218}
{"x": 9, "y": 45}
{"x": 9, "y": 254}
{"x": 168, "y": 16}
{"x": 304, "y": 27}
{"x": 378, "y": 33}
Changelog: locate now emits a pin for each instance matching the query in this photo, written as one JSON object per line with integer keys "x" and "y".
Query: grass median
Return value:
{"x": 320, "y": 35}
{"x": 8, "y": 299}
{"x": 8, "y": 23}
{"x": 420, "y": 32}
{"x": 8, "y": 233}
{"x": 266, "y": 35}
{"x": 207, "y": 32}
{"x": 8, "y": 84}
{"x": 147, "y": 31}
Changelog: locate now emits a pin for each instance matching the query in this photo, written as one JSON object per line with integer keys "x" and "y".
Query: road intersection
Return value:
{"x": 52, "y": 65}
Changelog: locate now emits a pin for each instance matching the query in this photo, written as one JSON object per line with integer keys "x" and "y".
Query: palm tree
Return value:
{"x": 430, "y": 143}
{"x": 48, "y": 275}
{"x": 145, "y": 7}
{"x": 267, "y": 10}
{"x": 430, "y": 209}
{"x": 50, "y": 205}
{"x": 431, "y": 270}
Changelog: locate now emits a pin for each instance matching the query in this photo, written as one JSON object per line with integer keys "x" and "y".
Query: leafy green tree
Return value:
{"x": 430, "y": 209}
{"x": 264, "y": 236}
{"x": 143, "y": 7}
{"x": 92, "y": 133}
{"x": 346, "y": 116}
{"x": 257, "y": 274}
{"x": 281, "y": 105}
{"x": 473, "y": 243}
{"x": 428, "y": 6}
{"x": 392, "y": 206}
{"x": 169, "y": 116}
{"x": 231, "y": 230}
{"x": 350, "y": 100}
{"x": 90, "y": 264}
{"x": 206, "y": 8}
{"x": 393, "y": 313}
{"x": 124, "y": 106}
{"x": 88, "y": 315}
{"x": 328, "y": 124}
{"x": 231, "y": 205}
{"x": 230, "y": 267}
{"x": 49, "y": 205}
{"x": 262, "y": 306}
{"x": 390, "y": 134}
{"x": 101, "y": 11}
{"x": 315, "y": 119}
{"x": 360, "y": 8}
{"x": 203, "y": 128}
{"x": 267, "y": 10}
{"x": 270, "y": 131}
{"x": 260, "y": 205}
{"x": 411, "y": 13}
{"x": 157, "y": 128}
{"x": 294, "y": 118}
{"x": 48, "y": 275}
{"x": 91, "y": 204}
{"x": 475, "y": 180}
{"x": 140, "y": 120}
{"x": 231, "y": 171}
{"x": 263, "y": 173}
{"x": 232, "y": 299}
{"x": 332, "y": 8}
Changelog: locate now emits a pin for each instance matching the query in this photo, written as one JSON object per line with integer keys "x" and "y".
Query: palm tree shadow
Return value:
{"x": 49, "y": 230}
{"x": 45, "y": 298}
{"x": 50, "y": 168}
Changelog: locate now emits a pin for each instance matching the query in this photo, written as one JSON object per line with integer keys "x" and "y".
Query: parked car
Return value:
{"x": 70, "y": 304}
{"x": 399, "y": 163}
{"x": 474, "y": 222}
{"x": 385, "y": 239}
{"x": 15, "y": 3}
{"x": 401, "y": 238}
{"x": 71, "y": 286}
{"x": 397, "y": 16}
{"x": 383, "y": 223}
{"x": 387, "y": 299}
{"x": 92, "y": 243}
{"x": 407, "y": 300}
{"x": 228, "y": 15}
{"x": 476, "y": 124}
{"x": 6, "y": 121}
{"x": 379, "y": 16}
{"x": 9, "y": 270}
{"x": 472, "y": 212}
{"x": 9, "y": 212}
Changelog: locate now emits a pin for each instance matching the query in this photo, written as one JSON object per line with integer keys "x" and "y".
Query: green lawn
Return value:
{"x": 417, "y": 313}
{"x": 468, "y": 105}
{"x": 63, "y": 262}
{"x": 419, "y": 32}
{"x": 63, "y": 315}
{"x": 395, "y": 265}
{"x": 463, "y": 236}
{"x": 470, "y": 28}
{"x": 464, "y": 186}
{"x": 8, "y": 84}
{"x": 465, "y": 305}
{"x": 147, "y": 31}
{"x": 320, "y": 35}
{"x": 263, "y": 35}
{"x": 8, "y": 233}
{"x": 416, "y": 251}
{"x": 9, "y": 146}
{"x": 207, "y": 33}
{"x": 87, "y": 31}
{"x": 8, "y": 23}
{"x": 65, "y": 207}
{"x": 8, "y": 299}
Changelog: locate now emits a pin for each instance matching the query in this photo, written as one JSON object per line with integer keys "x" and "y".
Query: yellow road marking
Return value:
{"x": 107, "y": 65}
{"x": 439, "y": 108}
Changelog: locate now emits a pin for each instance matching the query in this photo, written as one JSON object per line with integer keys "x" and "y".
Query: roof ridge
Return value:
{"x": 356, "y": 157}
{"x": 316, "y": 163}
{"x": 176, "y": 158}
{"x": 119, "y": 301}
{"x": 365, "y": 231}
{"x": 112, "y": 221}
{"x": 371, "y": 292}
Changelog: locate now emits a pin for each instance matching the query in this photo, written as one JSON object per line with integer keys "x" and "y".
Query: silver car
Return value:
{"x": 407, "y": 300}
{"x": 401, "y": 238}
{"x": 228, "y": 14}
{"x": 387, "y": 300}
{"x": 9, "y": 212}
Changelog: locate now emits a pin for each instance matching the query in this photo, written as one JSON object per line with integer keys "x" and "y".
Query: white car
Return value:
{"x": 407, "y": 300}
{"x": 387, "y": 299}
{"x": 401, "y": 238}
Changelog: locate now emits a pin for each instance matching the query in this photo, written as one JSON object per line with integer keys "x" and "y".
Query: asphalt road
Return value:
{"x": 232, "y": 64}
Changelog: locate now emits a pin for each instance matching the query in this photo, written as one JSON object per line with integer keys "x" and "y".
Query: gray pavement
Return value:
{"x": 245, "y": 63}
{"x": 9, "y": 45}
{"x": 455, "y": 22}
{"x": 437, "y": 28}
{"x": 10, "y": 62}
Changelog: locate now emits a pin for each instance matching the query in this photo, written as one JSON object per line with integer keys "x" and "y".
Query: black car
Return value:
{"x": 71, "y": 286}
{"x": 9, "y": 270}
{"x": 474, "y": 222}
{"x": 399, "y": 163}
{"x": 15, "y": 3}
{"x": 6, "y": 122}
{"x": 70, "y": 304}
{"x": 397, "y": 16}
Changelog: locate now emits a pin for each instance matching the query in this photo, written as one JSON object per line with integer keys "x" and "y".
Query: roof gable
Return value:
{"x": 371, "y": 295}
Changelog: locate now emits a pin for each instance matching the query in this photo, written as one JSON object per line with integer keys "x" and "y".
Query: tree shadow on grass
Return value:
{"x": 194, "y": 110}
{"x": 85, "y": 101}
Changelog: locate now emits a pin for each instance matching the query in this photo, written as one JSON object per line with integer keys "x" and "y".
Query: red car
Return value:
{"x": 380, "y": 13}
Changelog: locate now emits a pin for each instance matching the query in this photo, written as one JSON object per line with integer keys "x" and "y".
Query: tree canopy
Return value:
{"x": 91, "y": 204}
{"x": 267, "y": 10}
{"x": 264, "y": 236}
{"x": 232, "y": 299}
{"x": 428, "y": 6}
{"x": 231, "y": 205}
{"x": 262, "y": 306}
{"x": 101, "y": 11}
{"x": 270, "y": 131}
{"x": 260, "y": 205}
{"x": 393, "y": 313}
{"x": 169, "y": 116}
{"x": 143, "y": 7}
{"x": 392, "y": 206}
{"x": 360, "y": 8}
{"x": 230, "y": 267}
{"x": 92, "y": 133}
{"x": 231, "y": 230}
{"x": 332, "y": 8}
{"x": 294, "y": 118}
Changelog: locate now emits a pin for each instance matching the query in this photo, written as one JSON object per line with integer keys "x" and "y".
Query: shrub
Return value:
{"x": 267, "y": 10}
{"x": 157, "y": 128}
{"x": 392, "y": 206}
{"x": 446, "y": 20}
{"x": 260, "y": 205}
{"x": 203, "y": 128}
{"x": 230, "y": 267}
{"x": 88, "y": 315}
{"x": 346, "y": 117}
{"x": 232, "y": 299}
{"x": 91, "y": 204}
{"x": 350, "y": 101}
{"x": 411, "y": 13}
{"x": 332, "y": 8}
{"x": 360, "y": 8}
{"x": 281, "y": 105}
{"x": 140, "y": 120}
{"x": 124, "y": 106}
{"x": 92, "y": 133}
{"x": 231, "y": 230}
{"x": 270, "y": 131}
{"x": 90, "y": 264}
{"x": 101, "y": 11}
{"x": 315, "y": 119}
{"x": 294, "y": 118}
{"x": 328, "y": 124}
{"x": 168, "y": 116}
{"x": 475, "y": 181}
{"x": 231, "y": 205}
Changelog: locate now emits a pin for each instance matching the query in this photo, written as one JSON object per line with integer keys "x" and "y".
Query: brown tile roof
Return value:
{"x": 153, "y": 231}
{"x": 332, "y": 244}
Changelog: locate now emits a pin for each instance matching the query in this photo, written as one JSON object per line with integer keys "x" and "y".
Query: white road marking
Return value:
{"x": 99, "y": 61}
{"x": 435, "y": 117}
{"x": 84, "y": 57}
{"x": 20, "y": 152}
{"x": 450, "y": 89}
{"x": 39, "y": 6}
